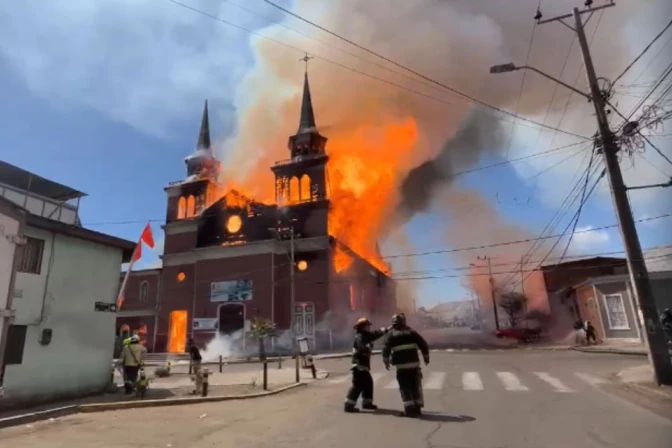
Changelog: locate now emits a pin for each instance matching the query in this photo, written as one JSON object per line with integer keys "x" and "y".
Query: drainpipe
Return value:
{"x": 46, "y": 280}
{"x": 7, "y": 315}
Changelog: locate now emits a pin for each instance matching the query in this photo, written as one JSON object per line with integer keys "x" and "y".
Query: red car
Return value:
{"x": 520, "y": 334}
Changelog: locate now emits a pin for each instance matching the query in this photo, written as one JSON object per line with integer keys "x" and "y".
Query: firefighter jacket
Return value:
{"x": 401, "y": 348}
{"x": 362, "y": 348}
{"x": 132, "y": 354}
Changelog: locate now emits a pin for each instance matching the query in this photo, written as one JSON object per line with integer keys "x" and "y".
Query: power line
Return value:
{"x": 523, "y": 241}
{"x": 426, "y": 78}
{"x": 642, "y": 53}
{"x": 522, "y": 85}
{"x": 459, "y": 173}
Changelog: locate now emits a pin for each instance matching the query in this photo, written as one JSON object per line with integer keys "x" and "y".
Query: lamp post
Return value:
{"x": 492, "y": 288}
{"x": 639, "y": 276}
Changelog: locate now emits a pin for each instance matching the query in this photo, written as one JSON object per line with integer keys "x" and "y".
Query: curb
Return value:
{"x": 612, "y": 352}
{"x": 123, "y": 405}
{"x": 38, "y": 416}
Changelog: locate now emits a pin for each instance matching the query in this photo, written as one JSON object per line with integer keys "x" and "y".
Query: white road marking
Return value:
{"x": 558, "y": 385}
{"x": 511, "y": 382}
{"x": 450, "y": 350}
{"x": 392, "y": 385}
{"x": 471, "y": 381}
{"x": 377, "y": 376}
{"x": 590, "y": 379}
{"x": 340, "y": 380}
{"x": 434, "y": 381}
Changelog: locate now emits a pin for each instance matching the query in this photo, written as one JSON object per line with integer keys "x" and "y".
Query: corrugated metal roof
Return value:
{"x": 26, "y": 181}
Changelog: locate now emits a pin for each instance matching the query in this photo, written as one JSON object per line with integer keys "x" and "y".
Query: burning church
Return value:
{"x": 229, "y": 258}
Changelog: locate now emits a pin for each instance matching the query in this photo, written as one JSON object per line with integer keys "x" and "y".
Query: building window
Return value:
{"x": 30, "y": 256}
{"x": 304, "y": 192}
{"x": 191, "y": 207}
{"x": 16, "y": 340}
{"x": 144, "y": 290}
{"x": 181, "y": 208}
{"x": 618, "y": 319}
{"x": 294, "y": 193}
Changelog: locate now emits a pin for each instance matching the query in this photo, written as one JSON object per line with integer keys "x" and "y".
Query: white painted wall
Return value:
{"x": 75, "y": 274}
{"x": 8, "y": 227}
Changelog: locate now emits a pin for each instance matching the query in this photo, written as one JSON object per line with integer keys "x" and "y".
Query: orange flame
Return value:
{"x": 363, "y": 172}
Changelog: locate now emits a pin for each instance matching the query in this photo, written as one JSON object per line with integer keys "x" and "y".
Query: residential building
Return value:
{"x": 60, "y": 340}
{"x": 609, "y": 304}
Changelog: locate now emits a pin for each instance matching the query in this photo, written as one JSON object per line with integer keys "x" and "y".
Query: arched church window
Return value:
{"x": 304, "y": 194}
{"x": 294, "y": 193}
{"x": 191, "y": 207}
{"x": 144, "y": 290}
{"x": 181, "y": 208}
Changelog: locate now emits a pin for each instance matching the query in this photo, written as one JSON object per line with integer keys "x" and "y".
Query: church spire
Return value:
{"x": 204, "y": 135}
{"x": 307, "y": 120}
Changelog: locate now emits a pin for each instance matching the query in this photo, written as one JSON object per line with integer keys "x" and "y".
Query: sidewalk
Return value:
{"x": 615, "y": 347}
{"x": 641, "y": 379}
{"x": 173, "y": 390}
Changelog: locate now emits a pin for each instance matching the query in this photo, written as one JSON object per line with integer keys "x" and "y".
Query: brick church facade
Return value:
{"x": 227, "y": 258}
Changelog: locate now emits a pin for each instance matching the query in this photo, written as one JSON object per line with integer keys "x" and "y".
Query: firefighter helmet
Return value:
{"x": 362, "y": 321}
{"x": 399, "y": 319}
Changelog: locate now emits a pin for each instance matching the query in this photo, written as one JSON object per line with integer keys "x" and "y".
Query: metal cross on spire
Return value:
{"x": 305, "y": 59}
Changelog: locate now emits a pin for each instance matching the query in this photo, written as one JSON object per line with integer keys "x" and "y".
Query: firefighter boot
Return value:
{"x": 369, "y": 406}
{"x": 350, "y": 408}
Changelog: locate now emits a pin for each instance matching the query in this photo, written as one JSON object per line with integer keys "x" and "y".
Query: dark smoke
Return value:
{"x": 480, "y": 133}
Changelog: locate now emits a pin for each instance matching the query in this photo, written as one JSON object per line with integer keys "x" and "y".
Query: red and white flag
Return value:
{"x": 147, "y": 238}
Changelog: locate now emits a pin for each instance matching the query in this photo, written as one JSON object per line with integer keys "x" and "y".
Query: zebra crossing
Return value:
{"x": 479, "y": 381}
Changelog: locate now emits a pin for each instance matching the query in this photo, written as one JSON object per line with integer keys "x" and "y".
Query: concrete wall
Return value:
{"x": 662, "y": 291}
{"x": 75, "y": 274}
{"x": 610, "y": 328}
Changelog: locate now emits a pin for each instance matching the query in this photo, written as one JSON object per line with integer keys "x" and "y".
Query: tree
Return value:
{"x": 513, "y": 303}
{"x": 261, "y": 329}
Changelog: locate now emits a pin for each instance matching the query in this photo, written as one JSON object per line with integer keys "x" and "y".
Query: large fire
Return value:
{"x": 363, "y": 172}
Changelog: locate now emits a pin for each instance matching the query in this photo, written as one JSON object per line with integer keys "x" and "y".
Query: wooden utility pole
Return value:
{"x": 639, "y": 276}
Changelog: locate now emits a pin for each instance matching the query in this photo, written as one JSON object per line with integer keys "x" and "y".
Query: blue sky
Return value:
{"x": 115, "y": 118}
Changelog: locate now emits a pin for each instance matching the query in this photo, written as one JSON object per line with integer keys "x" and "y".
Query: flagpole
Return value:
{"x": 146, "y": 237}
{"x": 120, "y": 297}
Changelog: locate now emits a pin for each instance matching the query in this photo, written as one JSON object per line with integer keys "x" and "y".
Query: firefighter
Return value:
{"x": 362, "y": 383}
{"x": 401, "y": 350}
{"x": 131, "y": 360}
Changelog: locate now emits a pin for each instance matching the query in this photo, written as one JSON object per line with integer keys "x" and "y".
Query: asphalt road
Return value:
{"x": 473, "y": 400}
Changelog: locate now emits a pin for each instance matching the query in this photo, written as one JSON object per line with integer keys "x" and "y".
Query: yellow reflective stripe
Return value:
{"x": 404, "y": 347}
{"x": 408, "y": 403}
{"x": 358, "y": 367}
{"x": 367, "y": 401}
{"x": 408, "y": 365}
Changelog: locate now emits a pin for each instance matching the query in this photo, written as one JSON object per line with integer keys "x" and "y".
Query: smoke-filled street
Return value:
{"x": 473, "y": 400}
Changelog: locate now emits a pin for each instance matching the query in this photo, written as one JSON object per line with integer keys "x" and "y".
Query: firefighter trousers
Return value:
{"x": 362, "y": 384}
{"x": 410, "y": 387}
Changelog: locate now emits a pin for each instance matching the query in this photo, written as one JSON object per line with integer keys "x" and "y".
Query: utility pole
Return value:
{"x": 639, "y": 276}
{"x": 492, "y": 291}
{"x": 292, "y": 267}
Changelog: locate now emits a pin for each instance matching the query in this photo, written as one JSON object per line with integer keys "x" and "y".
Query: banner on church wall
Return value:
{"x": 231, "y": 291}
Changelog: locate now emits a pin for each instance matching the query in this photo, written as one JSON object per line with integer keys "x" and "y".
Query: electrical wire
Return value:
{"x": 459, "y": 173}
{"x": 522, "y": 85}
{"x": 426, "y": 78}
{"x": 569, "y": 200}
{"x": 642, "y": 53}
{"x": 575, "y": 221}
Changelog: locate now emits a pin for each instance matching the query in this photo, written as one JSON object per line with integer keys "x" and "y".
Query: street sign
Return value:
{"x": 106, "y": 307}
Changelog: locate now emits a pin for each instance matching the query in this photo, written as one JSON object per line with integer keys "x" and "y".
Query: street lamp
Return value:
{"x": 511, "y": 67}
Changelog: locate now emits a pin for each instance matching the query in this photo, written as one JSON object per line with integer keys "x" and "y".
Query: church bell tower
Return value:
{"x": 302, "y": 179}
